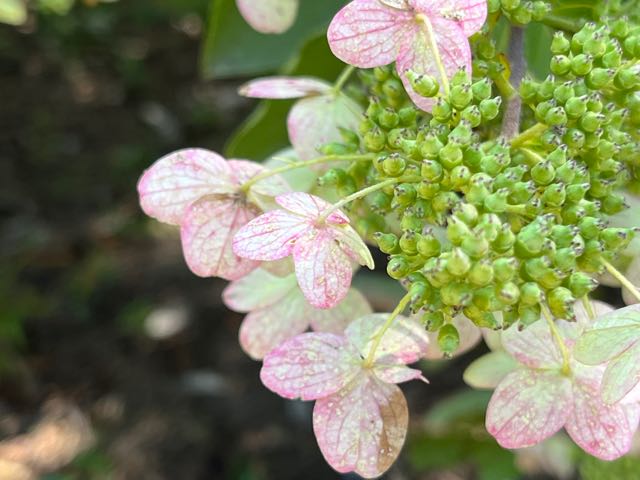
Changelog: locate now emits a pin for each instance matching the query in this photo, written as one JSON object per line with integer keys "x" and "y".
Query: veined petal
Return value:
{"x": 599, "y": 309}
{"x": 267, "y": 188}
{"x": 352, "y": 245}
{"x": 622, "y": 375}
{"x": 323, "y": 270}
{"x": 269, "y": 16}
{"x": 367, "y": 33}
{"x": 405, "y": 340}
{"x": 398, "y": 373}
{"x": 304, "y": 204}
{"x": 362, "y": 427}
{"x": 534, "y": 346}
{"x": 207, "y": 231}
{"x": 489, "y": 370}
{"x": 271, "y": 236}
{"x": 527, "y": 407}
{"x": 177, "y": 180}
{"x": 470, "y": 336}
{"x": 336, "y": 319}
{"x": 257, "y": 290}
{"x": 309, "y": 366}
{"x": 604, "y": 431}
{"x": 470, "y": 15}
{"x": 284, "y": 87}
{"x": 267, "y": 328}
{"x": 316, "y": 121}
{"x": 600, "y": 345}
{"x": 416, "y": 55}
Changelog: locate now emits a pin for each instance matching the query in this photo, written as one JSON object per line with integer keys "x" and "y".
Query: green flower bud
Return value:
{"x": 467, "y": 213}
{"x": 596, "y": 46}
{"x": 428, "y": 190}
{"x": 481, "y": 273}
{"x": 529, "y": 315}
{"x": 387, "y": 242}
{"x": 581, "y": 284}
{"x": 542, "y": 108}
{"x": 392, "y": 88}
{"x": 489, "y": 226}
{"x": 424, "y": 85}
{"x": 594, "y": 103}
{"x": 563, "y": 235}
{"x": 486, "y": 300}
{"x": 445, "y": 201}
{"x": 543, "y": 173}
{"x": 620, "y": 28}
{"x": 546, "y": 88}
{"x": 408, "y": 116}
{"x": 627, "y": 79}
{"x": 576, "y": 192}
{"x": 448, "y": 340}
{"x": 398, "y": 267}
{"x": 431, "y": 146}
{"x": 591, "y": 121}
{"x": 590, "y": 260}
{"x": 574, "y": 138}
{"x": 411, "y": 222}
{"x": 333, "y": 177}
{"x": 475, "y": 247}
{"x": 558, "y": 157}
{"x": 482, "y": 88}
{"x": 479, "y": 188}
{"x": 522, "y": 15}
{"x": 560, "y": 65}
{"x": 490, "y": 108}
{"x": 461, "y": 135}
{"x": 433, "y": 321}
{"x": 613, "y": 204}
{"x": 442, "y": 110}
{"x": 599, "y": 78}
{"x": 565, "y": 259}
{"x": 456, "y": 294}
{"x": 616, "y": 238}
{"x": 497, "y": 202}
{"x": 388, "y": 118}
{"x": 601, "y": 187}
{"x": 375, "y": 139}
{"x": 590, "y": 227}
{"x": 556, "y": 117}
{"x": 459, "y": 177}
{"x": 408, "y": 242}
{"x": 505, "y": 240}
{"x": 521, "y": 192}
{"x": 508, "y": 293}
{"x": 576, "y": 107}
{"x": 539, "y": 10}
{"x": 457, "y": 230}
{"x": 561, "y": 302}
{"x": 460, "y": 96}
{"x": 431, "y": 171}
{"x": 529, "y": 241}
{"x": 573, "y": 214}
{"x": 403, "y": 195}
{"x": 554, "y": 195}
{"x": 531, "y": 294}
{"x": 564, "y": 92}
{"x": 450, "y": 156}
{"x": 458, "y": 263}
{"x": 560, "y": 45}
{"x": 428, "y": 246}
{"x": 510, "y": 5}
{"x": 505, "y": 268}
{"x": 394, "y": 165}
{"x": 460, "y": 78}
{"x": 528, "y": 90}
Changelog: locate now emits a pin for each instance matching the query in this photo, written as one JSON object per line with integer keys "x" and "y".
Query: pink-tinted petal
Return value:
{"x": 622, "y": 375}
{"x": 269, "y": 16}
{"x": 470, "y": 15}
{"x": 267, "y": 328}
{"x": 604, "y": 431}
{"x": 323, "y": 270}
{"x": 406, "y": 340}
{"x": 362, "y": 427}
{"x": 367, "y": 33}
{"x": 489, "y": 370}
{"x": 493, "y": 338}
{"x": 398, "y": 373}
{"x": 284, "y": 87}
{"x": 534, "y": 346}
{"x": 309, "y": 366}
{"x": 316, "y": 121}
{"x": 416, "y": 55}
{"x": 207, "y": 231}
{"x": 272, "y": 186}
{"x": 336, "y": 319}
{"x": 352, "y": 244}
{"x": 177, "y": 180}
{"x": 304, "y": 204}
{"x": 257, "y": 290}
{"x": 271, "y": 236}
{"x": 599, "y": 309}
{"x": 527, "y": 407}
{"x": 469, "y": 337}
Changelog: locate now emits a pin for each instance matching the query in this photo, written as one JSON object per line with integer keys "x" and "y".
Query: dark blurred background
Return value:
{"x": 115, "y": 361}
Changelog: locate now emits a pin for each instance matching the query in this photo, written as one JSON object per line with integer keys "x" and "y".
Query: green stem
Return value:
{"x": 588, "y": 307}
{"x": 433, "y": 46}
{"x": 359, "y": 194}
{"x": 561, "y": 23}
{"x": 343, "y": 78}
{"x": 315, "y": 161}
{"x": 516, "y": 209}
{"x": 378, "y": 336}
{"x": 532, "y": 155}
{"x": 529, "y": 134}
{"x": 566, "y": 366}
{"x": 626, "y": 283}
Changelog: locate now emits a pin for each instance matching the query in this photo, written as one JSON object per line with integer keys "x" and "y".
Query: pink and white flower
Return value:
{"x": 541, "y": 395}
{"x": 278, "y": 311}
{"x": 321, "y": 241}
{"x": 360, "y": 417}
{"x": 317, "y": 118}
{"x": 372, "y": 33}
{"x": 269, "y": 16}
{"x": 200, "y": 191}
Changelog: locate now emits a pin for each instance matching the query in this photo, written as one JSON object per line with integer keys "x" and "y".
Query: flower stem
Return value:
{"x": 566, "y": 366}
{"x": 588, "y": 307}
{"x": 433, "y": 46}
{"x": 343, "y": 78}
{"x": 315, "y": 161}
{"x": 359, "y": 194}
{"x": 532, "y": 155}
{"x": 561, "y": 22}
{"x": 377, "y": 338}
{"x": 626, "y": 283}
{"x": 528, "y": 134}
{"x": 518, "y": 65}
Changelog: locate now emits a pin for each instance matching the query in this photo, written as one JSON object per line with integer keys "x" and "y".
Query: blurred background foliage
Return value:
{"x": 115, "y": 361}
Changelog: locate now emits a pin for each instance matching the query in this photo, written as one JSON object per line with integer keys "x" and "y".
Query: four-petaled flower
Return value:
{"x": 317, "y": 118}
{"x": 269, "y": 16}
{"x": 372, "y": 33}
{"x": 544, "y": 391}
{"x": 320, "y": 239}
{"x": 278, "y": 311}
{"x": 360, "y": 417}
{"x": 201, "y": 192}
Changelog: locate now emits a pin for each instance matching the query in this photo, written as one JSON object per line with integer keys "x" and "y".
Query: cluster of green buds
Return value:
{"x": 490, "y": 227}
{"x": 520, "y": 12}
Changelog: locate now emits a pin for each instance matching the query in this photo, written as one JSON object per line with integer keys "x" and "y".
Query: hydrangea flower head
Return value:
{"x": 372, "y": 33}
{"x": 320, "y": 240}
{"x": 200, "y": 191}
{"x": 360, "y": 417}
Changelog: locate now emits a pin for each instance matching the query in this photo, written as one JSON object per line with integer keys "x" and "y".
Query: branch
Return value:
{"x": 518, "y": 65}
